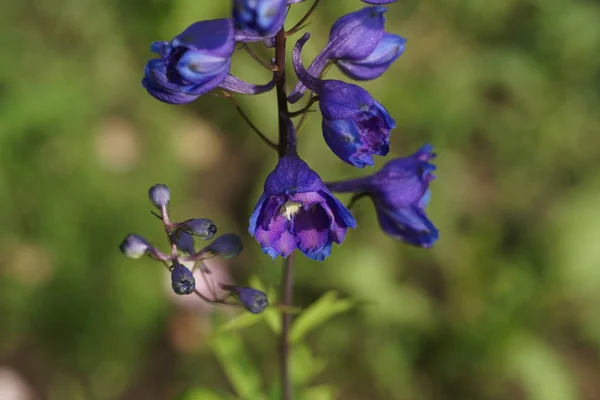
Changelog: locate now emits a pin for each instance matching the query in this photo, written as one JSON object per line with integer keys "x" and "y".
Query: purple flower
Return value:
{"x": 355, "y": 126}
{"x": 297, "y": 211}
{"x": 257, "y": 19}
{"x": 400, "y": 192}
{"x": 389, "y": 48}
{"x": 193, "y": 63}
{"x": 359, "y": 46}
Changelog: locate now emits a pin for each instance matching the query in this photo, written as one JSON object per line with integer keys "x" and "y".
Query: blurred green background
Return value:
{"x": 505, "y": 306}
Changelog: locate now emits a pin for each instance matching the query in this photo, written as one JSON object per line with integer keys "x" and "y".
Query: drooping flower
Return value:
{"x": 193, "y": 63}
{"x": 257, "y": 19}
{"x": 196, "y": 62}
{"x": 355, "y": 126}
{"x": 297, "y": 211}
{"x": 359, "y": 46}
{"x": 400, "y": 193}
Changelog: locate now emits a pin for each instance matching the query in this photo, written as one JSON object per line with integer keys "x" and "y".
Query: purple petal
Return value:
{"x": 235, "y": 84}
{"x": 311, "y": 228}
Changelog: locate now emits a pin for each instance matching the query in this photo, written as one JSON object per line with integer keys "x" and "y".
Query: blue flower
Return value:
{"x": 257, "y": 19}
{"x": 297, "y": 211}
{"x": 389, "y": 48}
{"x": 182, "y": 280}
{"x": 355, "y": 126}
{"x": 400, "y": 193}
{"x": 193, "y": 63}
{"x": 359, "y": 46}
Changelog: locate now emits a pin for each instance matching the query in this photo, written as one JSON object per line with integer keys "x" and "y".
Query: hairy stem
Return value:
{"x": 288, "y": 279}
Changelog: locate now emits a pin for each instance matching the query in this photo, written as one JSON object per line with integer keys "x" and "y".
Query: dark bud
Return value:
{"x": 253, "y": 300}
{"x": 134, "y": 246}
{"x": 159, "y": 195}
{"x": 182, "y": 280}
{"x": 184, "y": 241}
{"x": 227, "y": 246}
{"x": 201, "y": 227}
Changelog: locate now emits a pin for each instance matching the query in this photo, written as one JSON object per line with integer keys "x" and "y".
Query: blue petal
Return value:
{"x": 409, "y": 224}
{"x": 292, "y": 175}
{"x": 215, "y": 37}
{"x": 255, "y": 214}
{"x": 319, "y": 254}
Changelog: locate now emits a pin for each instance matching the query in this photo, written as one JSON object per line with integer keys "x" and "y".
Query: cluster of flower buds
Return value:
{"x": 181, "y": 237}
{"x": 297, "y": 210}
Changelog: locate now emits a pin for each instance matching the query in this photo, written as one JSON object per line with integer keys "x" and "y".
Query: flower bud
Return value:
{"x": 202, "y": 227}
{"x": 134, "y": 246}
{"x": 159, "y": 195}
{"x": 389, "y": 48}
{"x": 354, "y": 36}
{"x": 227, "y": 246}
{"x": 182, "y": 280}
{"x": 253, "y": 300}
{"x": 260, "y": 18}
{"x": 184, "y": 241}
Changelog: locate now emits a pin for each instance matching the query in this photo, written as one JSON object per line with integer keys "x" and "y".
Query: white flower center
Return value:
{"x": 290, "y": 208}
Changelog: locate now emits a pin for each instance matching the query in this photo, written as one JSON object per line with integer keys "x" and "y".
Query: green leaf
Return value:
{"x": 243, "y": 375}
{"x": 318, "y": 313}
{"x": 304, "y": 366}
{"x": 243, "y": 320}
{"x": 203, "y": 394}
{"x": 321, "y": 392}
{"x": 273, "y": 318}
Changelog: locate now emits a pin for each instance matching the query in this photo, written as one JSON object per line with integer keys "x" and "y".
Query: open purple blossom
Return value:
{"x": 400, "y": 193}
{"x": 297, "y": 211}
{"x": 356, "y": 38}
{"x": 355, "y": 126}
{"x": 257, "y": 19}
